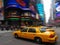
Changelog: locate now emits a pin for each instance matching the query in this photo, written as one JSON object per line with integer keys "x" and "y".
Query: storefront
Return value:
{"x": 13, "y": 10}
{"x": 28, "y": 17}
{"x": 19, "y": 15}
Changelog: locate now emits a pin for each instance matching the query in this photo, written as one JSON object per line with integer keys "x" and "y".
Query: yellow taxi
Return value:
{"x": 38, "y": 34}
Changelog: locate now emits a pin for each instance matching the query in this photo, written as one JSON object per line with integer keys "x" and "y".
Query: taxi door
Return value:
{"x": 24, "y": 32}
{"x": 31, "y": 33}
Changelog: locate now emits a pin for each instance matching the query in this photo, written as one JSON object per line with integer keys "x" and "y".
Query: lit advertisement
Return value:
{"x": 57, "y": 14}
{"x": 57, "y": 6}
{"x": 14, "y": 14}
{"x": 40, "y": 10}
{"x": 32, "y": 9}
{"x": 33, "y": 1}
{"x": 17, "y": 3}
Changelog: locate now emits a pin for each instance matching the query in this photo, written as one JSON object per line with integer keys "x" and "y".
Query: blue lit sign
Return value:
{"x": 57, "y": 6}
{"x": 57, "y": 14}
{"x": 40, "y": 10}
{"x": 17, "y": 3}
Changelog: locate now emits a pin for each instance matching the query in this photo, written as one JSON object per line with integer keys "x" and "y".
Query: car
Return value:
{"x": 38, "y": 34}
{"x": 50, "y": 25}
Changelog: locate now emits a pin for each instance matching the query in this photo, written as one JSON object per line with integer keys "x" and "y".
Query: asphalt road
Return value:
{"x": 7, "y": 38}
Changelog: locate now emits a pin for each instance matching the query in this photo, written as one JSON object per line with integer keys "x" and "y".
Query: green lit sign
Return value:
{"x": 25, "y": 19}
{"x": 14, "y": 19}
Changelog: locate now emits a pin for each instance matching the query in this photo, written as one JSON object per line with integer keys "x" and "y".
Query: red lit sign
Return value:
{"x": 21, "y": 2}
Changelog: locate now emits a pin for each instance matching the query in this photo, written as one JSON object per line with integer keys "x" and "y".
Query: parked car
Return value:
{"x": 38, "y": 34}
{"x": 50, "y": 25}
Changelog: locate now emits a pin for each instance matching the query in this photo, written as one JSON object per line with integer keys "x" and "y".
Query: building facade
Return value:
{"x": 56, "y": 12}
{"x": 1, "y": 12}
{"x": 18, "y": 12}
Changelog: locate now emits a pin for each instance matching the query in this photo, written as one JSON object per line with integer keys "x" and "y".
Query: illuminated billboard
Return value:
{"x": 40, "y": 10}
{"x": 57, "y": 7}
{"x": 32, "y": 8}
{"x": 22, "y": 4}
{"x": 57, "y": 14}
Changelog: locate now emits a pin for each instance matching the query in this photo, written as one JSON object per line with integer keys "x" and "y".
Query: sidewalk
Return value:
{"x": 5, "y": 31}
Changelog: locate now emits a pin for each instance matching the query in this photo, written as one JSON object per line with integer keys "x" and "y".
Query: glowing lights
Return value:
{"x": 57, "y": 7}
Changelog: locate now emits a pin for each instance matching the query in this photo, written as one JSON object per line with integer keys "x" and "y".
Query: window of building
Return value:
{"x": 32, "y": 30}
{"x": 26, "y": 14}
{"x": 14, "y": 13}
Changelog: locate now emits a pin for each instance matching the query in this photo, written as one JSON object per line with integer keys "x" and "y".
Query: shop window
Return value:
{"x": 26, "y": 14}
{"x": 13, "y": 13}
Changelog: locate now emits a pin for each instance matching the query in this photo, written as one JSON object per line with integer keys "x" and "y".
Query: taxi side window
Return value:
{"x": 24, "y": 30}
{"x": 32, "y": 30}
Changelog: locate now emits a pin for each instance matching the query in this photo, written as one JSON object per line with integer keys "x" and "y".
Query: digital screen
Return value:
{"x": 57, "y": 6}
{"x": 32, "y": 8}
{"x": 57, "y": 14}
{"x": 40, "y": 10}
{"x": 17, "y": 3}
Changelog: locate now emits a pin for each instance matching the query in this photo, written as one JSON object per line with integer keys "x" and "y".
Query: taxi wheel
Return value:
{"x": 38, "y": 40}
{"x": 16, "y": 36}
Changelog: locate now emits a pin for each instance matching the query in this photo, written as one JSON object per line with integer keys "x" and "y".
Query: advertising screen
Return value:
{"x": 57, "y": 6}
{"x": 32, "y": 9}
{"x": 17, "y": 3}
{"x": 40, "y": 10}
{"x": 57, "y": 14}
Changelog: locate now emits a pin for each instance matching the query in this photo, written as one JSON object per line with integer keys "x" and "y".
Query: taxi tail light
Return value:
{"x": 51, "y": 36}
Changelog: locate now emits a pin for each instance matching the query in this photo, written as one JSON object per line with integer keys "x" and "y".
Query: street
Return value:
{"x": 8, "y": 39}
